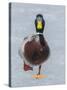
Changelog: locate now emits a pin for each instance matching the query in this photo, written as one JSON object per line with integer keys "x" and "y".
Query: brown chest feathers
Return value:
{"x": 35, "y": 53}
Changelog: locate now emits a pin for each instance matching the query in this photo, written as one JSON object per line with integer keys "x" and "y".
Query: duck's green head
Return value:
{"x": 39, "y": 23}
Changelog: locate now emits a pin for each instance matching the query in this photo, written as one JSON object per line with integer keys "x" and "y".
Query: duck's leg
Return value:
{"x": 39, "y": 70}
{"x": 27, "y": 67}
{"x": 38, "y": 75}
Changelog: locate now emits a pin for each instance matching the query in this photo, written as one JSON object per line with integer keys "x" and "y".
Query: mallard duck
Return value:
{"x": 34, "y": 49}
